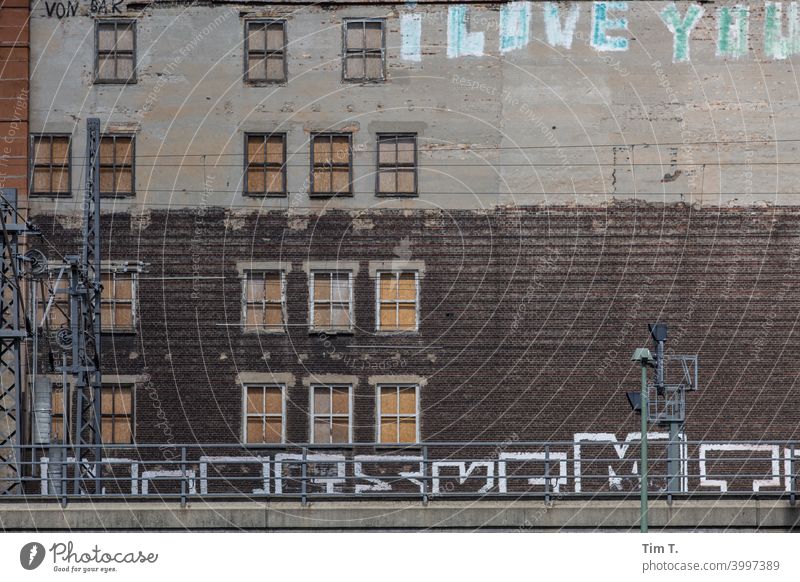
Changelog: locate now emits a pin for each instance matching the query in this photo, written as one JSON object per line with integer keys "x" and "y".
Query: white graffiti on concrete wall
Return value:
{"x": 762, "y": 465}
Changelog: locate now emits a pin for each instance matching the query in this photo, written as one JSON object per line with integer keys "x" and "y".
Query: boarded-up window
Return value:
{"x": 264, "y": 412}
{"x": 331, "y": 301}
{"x": 266, "y": 165}
{"x": 398, "y": 414}
{"x": 330, "y": 412}
{"x": 116, "y": 165}
{"x": 331, "y": 163}
{"x": 115, "y": 60}
{"x": 397, "y": 165}
{"x": 116, "y": 417}
{"x": 57, "y": 289}
{"x": 264, "y": 300}
{"x": 118, "y": 301}
{"x": 364, "y": 50}
{"x": 50, "y": 161}
{"x": 59, "y": 424}
{"x": 397, "y": 301}
{"x": 265, "y": 47}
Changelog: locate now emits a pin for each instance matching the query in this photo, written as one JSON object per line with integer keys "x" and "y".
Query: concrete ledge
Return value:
{"x": 747, "y": 515}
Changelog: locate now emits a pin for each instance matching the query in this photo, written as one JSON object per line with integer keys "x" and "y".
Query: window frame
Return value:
{"x": 266, "y": 52}
{"x": 351, "y": 303}
{"x": 134, "y": 274}
{"x": 133, "y": 79}
{"x": 246, "y": 302}
{"x": 246, "y": 415}
{"x": 396, "y": 167}
{"x": 131, "y": 415}
{"x": 114, "y": 135}
{"x": 363, "y": 51}
{"x": 312, "y": 192}
{"x": 379, "y": 413}
{"x": 32, "y": 165}
{"x": 283, "y": 168}
{"x": 313, "y": 416}
{"x": 397, "y": 302}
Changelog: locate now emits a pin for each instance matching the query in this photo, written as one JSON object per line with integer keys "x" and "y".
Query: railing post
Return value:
{"x": 425, "y": 475}
{"x": 547, "y": 473}
{"x": 183, "y": 476}
{"x": 64, "y": 480}
{"x": 792, "y": 478}
{"x": 303, "y": 476}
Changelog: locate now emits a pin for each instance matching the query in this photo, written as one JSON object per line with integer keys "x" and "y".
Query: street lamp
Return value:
{"x": 645, "y": 359}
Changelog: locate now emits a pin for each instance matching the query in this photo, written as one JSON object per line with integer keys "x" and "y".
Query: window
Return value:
{"x": 398, "y": 414}
{"x": 264, "y": 300}
{"x": 59, "y": 423}
{"x": 116, "y": 414}
{"x": 397, "y": 165}
{"x": 264, "y": 414}
{"x": 363, "y": 50}
{"x": 265, "y": 172}
{"x": 115, "y": 59}
{"x": 50, "y": 161}
{"x": 397, "y": 301}
{"x": 331, "y": 164}
{"x": 331, "y": 301}
{"x": 116, "y": 165}
{"x": 265, "y": 51}
{"x": 58, "y": 315}
{"x": 117, "y": 301}
{"x": 330, "y": 414}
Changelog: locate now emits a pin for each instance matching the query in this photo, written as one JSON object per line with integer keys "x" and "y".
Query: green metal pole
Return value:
{"x": 643, "y": 460}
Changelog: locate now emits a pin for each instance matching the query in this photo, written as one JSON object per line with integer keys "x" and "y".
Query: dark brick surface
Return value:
{"x": 529, "y": 316}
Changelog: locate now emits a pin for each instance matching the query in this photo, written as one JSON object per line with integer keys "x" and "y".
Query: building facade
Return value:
{"x": 400, "y": 224}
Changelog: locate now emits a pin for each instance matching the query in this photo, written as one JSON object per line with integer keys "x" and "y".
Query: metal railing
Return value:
{"x": 587, "y": 469}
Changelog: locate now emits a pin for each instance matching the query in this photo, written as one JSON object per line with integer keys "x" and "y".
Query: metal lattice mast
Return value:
{"x": 11, "y": 336}
{"x": 85, "y": 291}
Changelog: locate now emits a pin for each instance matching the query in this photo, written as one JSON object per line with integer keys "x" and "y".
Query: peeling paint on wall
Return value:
{"x": 733, "y": 28}
{"x": 602, "y": 25}
{"x": 776, "y": 45}
{"x": 560, "y": 33}
{"x": 681, "y": 28}
{"x": 515, "y": 25}
{"x": 411, "y": 35}
{"x": 460, "y": 41}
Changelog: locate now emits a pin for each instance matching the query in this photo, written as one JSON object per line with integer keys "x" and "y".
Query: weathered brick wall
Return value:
{"x": 528, "y": 316}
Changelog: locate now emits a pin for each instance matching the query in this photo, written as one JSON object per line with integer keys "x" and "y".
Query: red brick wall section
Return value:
{"x": 14, "y": 51}
{"x": 529, "y": 316}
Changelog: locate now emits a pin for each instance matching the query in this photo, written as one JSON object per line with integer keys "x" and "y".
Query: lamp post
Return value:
{"x": 645, "y": 359}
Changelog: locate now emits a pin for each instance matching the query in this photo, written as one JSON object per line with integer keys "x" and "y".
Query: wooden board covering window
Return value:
{"x": 51, "y": 165}
{"x": 364, "y": 53}
{"x": 266, "y": 165}
{"x": 397, "y": 160}
{"x": 116, "y": 418}
{"x": 116, "y": 51}
{"x": 331, "y": 414}
{"x": 117, "y": 302}
{"x": 331, "y": 164}
{"x": 397, "y": 301}
{"x": 264, "y": 414}
{"x": 264, "y": 300}
{"x": 398, "y": 414}
{"x": 116, "y": 165}
{"x": 332, "y": 301}
{"x": 58, "y": 423}
{"x": 266, "y": 56}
